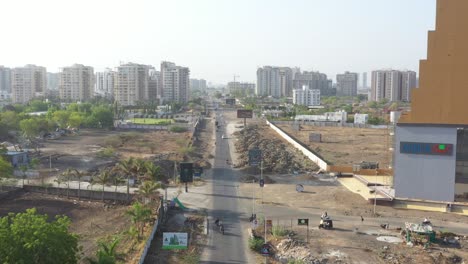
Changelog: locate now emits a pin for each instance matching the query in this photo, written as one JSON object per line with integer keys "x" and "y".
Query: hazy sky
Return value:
{"x": 218, "y": 38}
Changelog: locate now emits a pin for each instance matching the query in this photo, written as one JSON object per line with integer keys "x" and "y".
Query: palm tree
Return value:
{"x": 106, "y": 254}
{"x": 23, "y": 169}
{"x": 103, "y": 178}
{"x": 126, "y": 167}
{"x": 139, "y": 215}
{"x": 148, "y": 189}
{"x": 118, "y": 179}
{"x": 67, "y": 175}
{"x": 78, "y": 175}
{"x": 153, "y": 172}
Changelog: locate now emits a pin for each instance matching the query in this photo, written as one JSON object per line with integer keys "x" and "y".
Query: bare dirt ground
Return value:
{"x": 346, "y": 146}
{"x": 352, "y": 240}
{"x": 91, "y": 220}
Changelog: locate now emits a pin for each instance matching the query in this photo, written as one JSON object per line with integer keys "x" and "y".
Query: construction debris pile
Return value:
{"x": 289, "y": 250}
{"x": 277, "y": 157}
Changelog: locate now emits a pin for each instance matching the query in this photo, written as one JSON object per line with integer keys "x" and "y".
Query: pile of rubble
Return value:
{"x": 290, "y": 249}
{"x": 277, "y": 157}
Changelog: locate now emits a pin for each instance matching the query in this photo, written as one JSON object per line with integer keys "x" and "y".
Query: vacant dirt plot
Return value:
{"x": 346, "y": 146}
{"x": 81, "y": 151}
{"x": 91, "y": 220}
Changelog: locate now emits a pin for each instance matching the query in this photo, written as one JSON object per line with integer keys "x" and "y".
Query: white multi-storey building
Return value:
{"x": 76, "y": 83}
{"x": 131, "y": 83}
{"x": 274, "y": 81}
{"x": 346, "y": 84}
{"x": 306, "y": 96}
{"x": 175, "y": 83}
{"x": 105, "y": 82}
{"x": 27, "y": 82}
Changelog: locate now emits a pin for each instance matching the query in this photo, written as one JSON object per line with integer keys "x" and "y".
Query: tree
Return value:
{"x": 75, "y": 120}
{"x": 6, "y": 169}
{"x": 29, "y": 127}
{"x": 153, "y": 172}
{"x": 30, "y": 238}
{"x": 106, "y": 254}
{"x": 148, "y": 190}
{"x": 126, "y": 167}
{"x": 139, "y": 215}
{"x": 61, "y": 117}
{"x": 78, "y": 175}
{"x": 103, "y": 178}
{"x": 117, "y": 181}
{"x": 103, "y": 116}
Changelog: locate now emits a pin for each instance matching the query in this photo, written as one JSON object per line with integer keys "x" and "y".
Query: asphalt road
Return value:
{"x": 226, "y": 205}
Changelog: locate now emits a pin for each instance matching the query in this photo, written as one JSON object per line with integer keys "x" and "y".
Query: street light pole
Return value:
{"x": 261, "y": 174}
{"x": 253, "y": 198}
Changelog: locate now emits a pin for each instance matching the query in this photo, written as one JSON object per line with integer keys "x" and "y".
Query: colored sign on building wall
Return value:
{"x": 426, "y": 148}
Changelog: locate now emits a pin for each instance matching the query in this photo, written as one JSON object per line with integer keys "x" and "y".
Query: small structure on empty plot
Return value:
{"x": 17, "y": 158}
{"x": 315, "y": 137}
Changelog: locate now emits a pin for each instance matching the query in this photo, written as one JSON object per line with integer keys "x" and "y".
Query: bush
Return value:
{"x": 278, "y": 231}
{"x": 255, "y": 243}
{"x": 113, "y": 141}
{"x": 178, "y": 129}
{"x": 108, "y": 152}
{"x": 296, "y": 262}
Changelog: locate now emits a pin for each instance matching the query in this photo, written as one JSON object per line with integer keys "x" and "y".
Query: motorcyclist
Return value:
{"x": 217, "y": 221}
{"x": 221, "y": 228}
{"x": 324, "y": 216}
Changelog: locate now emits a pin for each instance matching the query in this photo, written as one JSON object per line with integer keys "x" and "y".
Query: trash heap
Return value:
{"x": 277, "y": 157}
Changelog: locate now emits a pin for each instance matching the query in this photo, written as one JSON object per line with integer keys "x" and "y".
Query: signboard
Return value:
{"x": 265, "y": 250}
{"x": 255, "y": 157}
{"x": 269, "y": 223}
{"x": 426, "y": 148}
{"x": 197, "y": 171}
{"x": 315, "y": 137}
{"x": 244, "y": 113}
{"x": 261, "y": 182}
{"x": 186, "y": 172}
{"x": 254, "y": 224}
{"x": 230, "y": 101}
{"x": 303, "y": 221}
{"x": 175, "y": 240}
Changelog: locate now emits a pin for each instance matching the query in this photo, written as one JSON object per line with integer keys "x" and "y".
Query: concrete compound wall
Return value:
{"x": 426, "y": 177}
{"x": 312, "y": 156}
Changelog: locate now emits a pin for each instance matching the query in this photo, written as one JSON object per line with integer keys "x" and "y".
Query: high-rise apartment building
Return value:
{"x": 27, "y": 82}
{"x": 306, "y": 96}
{"x": 198, "y": 85}
{"x": 131, "y": 83}
{"x": 274, "y": 81}
{"x": 105, "y": 82}
{"x": 5, "y": 79}
{"x": 76, "y": 83}
{"x": 53, "y": 81}
{"x": 392, "y": 85}
{"x": 314, "y": 80}
{"x": 153, "y": 85}
{"x": 346, "y": 84}
{"x": 364, "y": 81}
{"x": 175, "y": 83}
{"x": 408, "y": 83}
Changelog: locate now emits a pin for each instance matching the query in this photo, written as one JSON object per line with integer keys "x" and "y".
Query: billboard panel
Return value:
{"x": 175, "y": 240}
{"x": 230, "y": 101}
{"x": 244, "y": 113}
{"x": 186, "y": 172}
